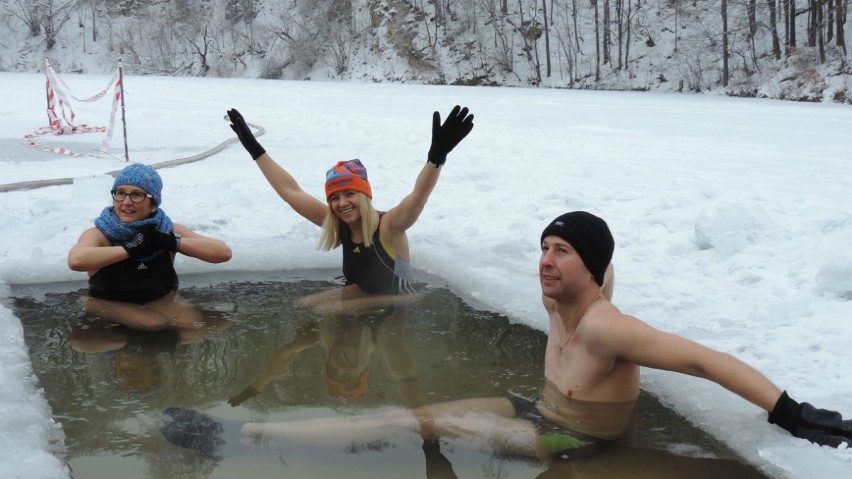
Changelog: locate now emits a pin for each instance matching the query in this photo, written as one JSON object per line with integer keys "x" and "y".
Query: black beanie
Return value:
{"x": 589, "y": 236}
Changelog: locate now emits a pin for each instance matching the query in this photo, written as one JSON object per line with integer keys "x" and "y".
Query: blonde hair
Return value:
{"x": 334, "y": 230}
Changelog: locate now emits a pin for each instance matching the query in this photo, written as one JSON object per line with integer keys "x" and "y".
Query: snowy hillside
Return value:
{"x": 658, "y": 45}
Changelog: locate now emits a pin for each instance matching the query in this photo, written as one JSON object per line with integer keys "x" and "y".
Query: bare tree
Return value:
{"x": 93, "y": 6}
{"x": 546, "y": 37}
{"x": 431, "y": 25}
{"x": 597, "y": 42}
{"x": 820, "y": 29}
{"x": 751, "y": 10}
{"x": 829, "y": 21}
{"x": 619, "y": 21}
{"x": 28, "y": 12}
{"x": 84, "y": 9}
{"x": 576, "y": 29}
{"x": 202, "y": 46}
{"x": 725, "y": 71}
{"x": 606, "y": 33}
{"x": 676, "y": 16}
{"x": 840, "y": 20}
{"x": 53, "y": 19}
{"x": 813, "y": 22}
{"x": 563, "y": 28}
{"x": 628, "y": 22}
{"x": 773, "y": 28}
{"x": 42, "y": 16}
{"x": 791, "y": 23}
{"x": 530, "y": 33}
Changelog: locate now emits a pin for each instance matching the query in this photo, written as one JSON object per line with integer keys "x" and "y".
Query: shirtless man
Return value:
{"x": 592, "y": 360}
{"x": 594, "y": 351}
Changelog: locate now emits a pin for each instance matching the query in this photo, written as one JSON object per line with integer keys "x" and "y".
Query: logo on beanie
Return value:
{"x": 339, "y": 183}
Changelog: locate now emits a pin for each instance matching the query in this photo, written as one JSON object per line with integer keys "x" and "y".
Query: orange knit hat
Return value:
{"x": 347, "y": 175}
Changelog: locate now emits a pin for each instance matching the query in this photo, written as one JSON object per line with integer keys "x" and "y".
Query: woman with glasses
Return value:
{"x": 374, "y": 244}
{"x": 129, "y": 256}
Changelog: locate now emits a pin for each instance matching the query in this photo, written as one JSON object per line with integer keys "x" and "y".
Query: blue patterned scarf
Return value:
{"x": 119, "y": 232}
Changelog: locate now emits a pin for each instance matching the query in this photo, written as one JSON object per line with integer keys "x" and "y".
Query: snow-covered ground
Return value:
{"x": 731, "y": 218}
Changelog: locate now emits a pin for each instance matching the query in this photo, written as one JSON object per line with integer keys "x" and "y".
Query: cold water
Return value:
{"x": 259, "y": 357}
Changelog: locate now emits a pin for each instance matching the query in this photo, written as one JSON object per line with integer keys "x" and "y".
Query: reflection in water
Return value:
{"x": 348, "y": 337}
{"x": 134, "y": 352}
{"x": 282, "y": 350}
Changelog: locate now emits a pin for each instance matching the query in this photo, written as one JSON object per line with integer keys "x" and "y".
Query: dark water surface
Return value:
{"x": 108, "y": 397}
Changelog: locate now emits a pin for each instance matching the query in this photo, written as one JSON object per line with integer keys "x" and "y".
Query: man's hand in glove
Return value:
{"x": 820, "y": 426}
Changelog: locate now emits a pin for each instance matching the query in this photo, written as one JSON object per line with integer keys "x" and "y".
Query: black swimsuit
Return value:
{"x": 135, "y": 282}
{"x": 376, "y": 269}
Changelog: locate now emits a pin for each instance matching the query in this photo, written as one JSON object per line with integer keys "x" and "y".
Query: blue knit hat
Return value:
{"x": 142, "y": 176}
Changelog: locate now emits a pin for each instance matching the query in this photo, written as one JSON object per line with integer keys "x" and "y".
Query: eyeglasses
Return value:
{"x": 135, "y": 197}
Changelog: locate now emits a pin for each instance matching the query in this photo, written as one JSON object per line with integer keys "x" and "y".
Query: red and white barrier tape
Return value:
{"x": 58, "y": 93}
{"x": 29, "y": 139}
{"x": 116, "y": 99}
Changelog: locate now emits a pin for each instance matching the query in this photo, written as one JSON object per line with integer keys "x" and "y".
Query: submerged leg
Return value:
{"x": 484, "y": 424}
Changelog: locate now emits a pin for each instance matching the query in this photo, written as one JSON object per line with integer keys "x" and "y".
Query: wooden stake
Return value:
{"x": 123, "y": 120}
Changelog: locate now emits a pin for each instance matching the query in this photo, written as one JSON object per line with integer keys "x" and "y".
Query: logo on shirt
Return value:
{"x": 141, "y": 266}
{"x": 356, "y": 250}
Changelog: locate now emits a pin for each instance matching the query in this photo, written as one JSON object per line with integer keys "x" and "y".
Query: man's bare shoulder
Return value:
{"x": 604, "y": 323}
{"x": 604, "y": 314}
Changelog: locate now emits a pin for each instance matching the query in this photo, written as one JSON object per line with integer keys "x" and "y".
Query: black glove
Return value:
{"x": 445, "y": 137}
{"x": 243, "y": 396}
{"x": 238, "y": 124}
{"x": 437, "y": 465}
{"x": 163, "y": 241}
{"x": 820, "y": 426}
{"x": 140, "y": 245}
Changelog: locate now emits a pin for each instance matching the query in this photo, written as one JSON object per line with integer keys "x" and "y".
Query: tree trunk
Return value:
{"x": 725, "y": 72}
{"x": 627, "y": 36}
{"x": 676, "y": 13}
{"x": 773, "y": 25}
{"x": 597, "y": 43}
{"x": 820, "y": 30}
{"x": 829, "y": 22}
{"x": 606, "y": 35}
{"x": 791, "y": 38}
{"x": 94, "y": 25}
{"x": 546, "y": 39}
{"x": 840, "y": 19}
{"x": 751, "y": 9}
{"x": 751, "y": 12}
{"x": 619, "y": 19}
{"x": 813, "y": 23}
{"x": 576, "y": 32}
